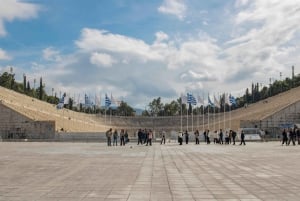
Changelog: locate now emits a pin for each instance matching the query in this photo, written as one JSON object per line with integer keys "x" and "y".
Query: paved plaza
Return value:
{"x": 93, "y": 171}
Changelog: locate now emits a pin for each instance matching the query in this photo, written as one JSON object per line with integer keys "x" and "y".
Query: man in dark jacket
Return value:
{"x": 233, "y": 135}
{"x": 186, "y": 137}
{"x": 284, "y": 137}
{"x": 140, "y": 136}
{"x": 242, "y": 138}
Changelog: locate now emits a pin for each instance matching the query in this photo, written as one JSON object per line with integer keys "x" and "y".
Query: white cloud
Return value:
{"x": 100, "y": 40}
{"x": 101, "y": 59}
{"x": 4, "y": 55}
{"x": 15, "y": 9}
{"x": 267, "y": 37}
{"x": 50, "y": 54}
{"x": 161, "y": 36}
{"x": 173, "y": 7}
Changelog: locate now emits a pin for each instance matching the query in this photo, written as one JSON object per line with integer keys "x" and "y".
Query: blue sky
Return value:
{"x": 138, "y": 50}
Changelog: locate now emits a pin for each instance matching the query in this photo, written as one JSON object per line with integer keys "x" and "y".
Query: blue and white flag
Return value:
{"x": 191, "y": 99}
{"x": 210, "y": 103}
{"x": 232, "y": 100}
{"x": 107, "y": 101}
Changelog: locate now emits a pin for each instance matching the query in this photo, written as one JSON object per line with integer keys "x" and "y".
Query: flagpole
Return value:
{"x": 208, "y": 112}
{"x": 219, "y": 118}
{"x": 203, "y": 112}
{"x": 208, "y": 117}
{"x": 198, "y": 117}
{"x": 63, "y": 118}
{"x": 230, "y": 117}
{"x": 203, "y": 117}
{"x": 214, "y": 118}
{"x": 224, "y": 111}
{"x": 192, "y": 118}
{"x": 181, "y": 115}
{"x": 187, "y": 117}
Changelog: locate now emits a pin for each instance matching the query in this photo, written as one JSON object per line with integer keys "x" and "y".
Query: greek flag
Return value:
{"x": 232, "y": 100}
{"x": 191, "y": 99}
{"x": 107, "y": 101}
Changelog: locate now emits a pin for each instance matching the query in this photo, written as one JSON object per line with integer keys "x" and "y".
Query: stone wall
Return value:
{"x": 14, "y": 125}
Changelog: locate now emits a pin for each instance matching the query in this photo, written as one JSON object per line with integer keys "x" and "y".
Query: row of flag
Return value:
{"x": 88, "y": 102}
{"x": 188, "y": 99}
{"x": 191, "y": 99}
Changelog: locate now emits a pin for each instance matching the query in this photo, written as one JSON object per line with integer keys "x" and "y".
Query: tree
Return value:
{"x": 247, "y": 96}
{"x": 182, "y": 106}
{"x": 24, "y": 83}
{"x": 172, "y": 108}
{"x": 41, "y": 89}
{"x": 124, "y": 109}
{"x": 6, "y": 80}
{"x": 156, "y": 107}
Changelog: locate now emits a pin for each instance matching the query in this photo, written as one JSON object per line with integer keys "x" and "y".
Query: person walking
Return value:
{"x": 205, "y": 136}
{"x": 108, "y": 136}
{"x": 230, "y": 136}
{"x": 197, "y": 136}
{"x": 122, "y": 137}
{"x": 186, "y": 134}
{"x": 180, "y": 136}
{"x": 126, "y": 136}
{"x": 150, "y": 136}
{"x": 140, "y": 137}
{"x": 226, "y": 137}
{"x": 145, "y": 136}
{"x": 292, "y": 136}
{"x": 163, "y": 137}
{"x": 115, "y": 138}
{"x": 242, "y": 138}
{"x": 215, "y": 137}
{"x": 284, "y": 137}
{"x": 221, "y": 137}
{"x": 233, "y": 134}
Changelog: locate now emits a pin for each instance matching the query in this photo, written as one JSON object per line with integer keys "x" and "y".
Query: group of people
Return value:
{"x": 290, "y": 135}
{"x": 218, "y": 137}
{"x": 114, "y": 135}
{"x": 145, "y": 136}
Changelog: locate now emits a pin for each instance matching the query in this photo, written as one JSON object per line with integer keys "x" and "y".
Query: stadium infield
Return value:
{"x": 92, "y": 171}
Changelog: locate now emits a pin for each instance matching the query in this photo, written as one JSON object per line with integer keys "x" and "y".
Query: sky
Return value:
{"x": 138, "y": 50}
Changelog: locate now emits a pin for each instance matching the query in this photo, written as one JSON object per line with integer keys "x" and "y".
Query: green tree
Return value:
{"x": 156, "y": 106}
{"x": 6, "y": 80}
{"x": 41, "y": 89}
{"x": 124, "y": 109}
{"x": 172, "y": 108}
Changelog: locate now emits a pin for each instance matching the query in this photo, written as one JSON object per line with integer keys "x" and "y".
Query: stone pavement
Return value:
{"x": 93, "y": 171}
